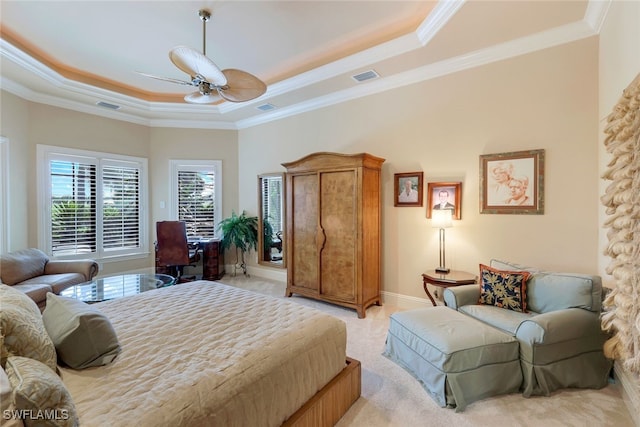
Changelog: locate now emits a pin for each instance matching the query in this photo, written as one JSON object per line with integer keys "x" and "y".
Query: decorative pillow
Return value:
{"x": 23, "y": 330}
{"x": 504, "y": 289}
{"x": 40, "y": 394}
{"x": 82, "y": 335}
{"x": 7, "y": 407}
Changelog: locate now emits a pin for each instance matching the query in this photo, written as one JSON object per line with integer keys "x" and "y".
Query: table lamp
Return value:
{"x": 441, "y": 219}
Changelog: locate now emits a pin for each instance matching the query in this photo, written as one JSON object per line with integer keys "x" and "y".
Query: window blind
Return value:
{"x": 73, "y": 207}
{"x": 196, "y": 202}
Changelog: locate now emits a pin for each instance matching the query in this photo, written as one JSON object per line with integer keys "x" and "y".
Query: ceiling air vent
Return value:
{"x": 367, "y": 75}
{"x": 266, "y": 107}
{"x": 107, "y": 105}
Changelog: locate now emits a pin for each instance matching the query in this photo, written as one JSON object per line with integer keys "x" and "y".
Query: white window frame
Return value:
{"x": 4, "y": 197}
{"x": 214, "y": 166}
{"x": 45, "y": 153}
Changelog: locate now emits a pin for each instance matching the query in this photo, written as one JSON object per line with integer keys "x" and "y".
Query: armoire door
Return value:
{"x": 339, "y": 233}
{"x": 303, "y": 225}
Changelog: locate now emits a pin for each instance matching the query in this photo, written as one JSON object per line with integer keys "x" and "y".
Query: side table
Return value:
{"x": 445, "y": 280}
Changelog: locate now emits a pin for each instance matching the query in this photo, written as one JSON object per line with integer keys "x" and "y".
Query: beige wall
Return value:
{"x": 14, "y": 118}
{"x": 619, "y": 63}
{"x": 28, "y": 124}
{"x": 191, "y": 144}
{"x": 544, "y": 100}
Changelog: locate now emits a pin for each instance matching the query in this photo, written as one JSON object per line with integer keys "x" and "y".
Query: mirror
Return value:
{"x": 271, "y": 220}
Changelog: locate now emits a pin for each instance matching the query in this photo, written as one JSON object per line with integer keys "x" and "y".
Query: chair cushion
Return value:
{"x": 82, "y": 335}
{"x": 38, "y": 390}
{"x": 18, "y": 266}
{"x": 24, "y": 332}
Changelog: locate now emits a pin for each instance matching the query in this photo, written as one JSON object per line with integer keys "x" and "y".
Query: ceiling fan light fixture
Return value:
{"x": 200, "y": 98}
{"x": 232, "y": 85}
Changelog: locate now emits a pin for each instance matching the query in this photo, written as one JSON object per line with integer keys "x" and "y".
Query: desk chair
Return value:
{"x": 172, "y": 249}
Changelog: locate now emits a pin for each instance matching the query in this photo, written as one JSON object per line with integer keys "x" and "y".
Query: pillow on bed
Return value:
{"x": 6, "y": 402}
{"x": 38, "y": 390}
{"x": 82, "y": 335}
{"x": 23, "y": 330}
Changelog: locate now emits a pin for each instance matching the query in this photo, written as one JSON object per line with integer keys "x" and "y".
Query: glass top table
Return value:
{"x": 117, "y": 286}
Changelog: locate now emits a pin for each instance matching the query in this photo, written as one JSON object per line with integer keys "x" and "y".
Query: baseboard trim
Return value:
{"x": 404, "y": 302}
{"x": 278, "y": 274}
{"x": 630, "y": 391}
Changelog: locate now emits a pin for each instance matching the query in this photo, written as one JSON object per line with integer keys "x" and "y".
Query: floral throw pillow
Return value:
{"x": 504, "y": 289}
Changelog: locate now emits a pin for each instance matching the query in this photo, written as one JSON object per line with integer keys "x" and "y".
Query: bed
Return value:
{"x": 208, "y": 354}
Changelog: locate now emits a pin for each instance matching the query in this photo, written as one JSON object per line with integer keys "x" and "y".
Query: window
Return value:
{"x": 196, "y": 187}
{"x": 272, "y": 201}
{"x": 93, "y": 204}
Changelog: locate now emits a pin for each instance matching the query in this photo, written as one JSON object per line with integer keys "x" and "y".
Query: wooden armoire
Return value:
{"x": 333, "y": 228}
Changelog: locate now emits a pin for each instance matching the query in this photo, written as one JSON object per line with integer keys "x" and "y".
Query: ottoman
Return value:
{"x": 456, "y": 358}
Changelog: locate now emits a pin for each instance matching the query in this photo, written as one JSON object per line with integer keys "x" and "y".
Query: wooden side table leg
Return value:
{"x": 426, "y": 290}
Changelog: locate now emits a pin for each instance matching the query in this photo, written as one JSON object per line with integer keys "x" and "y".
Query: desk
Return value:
{"x": 212, "y": 259}
{"x": 442, "y": 280}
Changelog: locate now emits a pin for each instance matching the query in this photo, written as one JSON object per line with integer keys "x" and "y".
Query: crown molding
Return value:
{"x": 550, "y": 38}
{"x": 201, "y": 116}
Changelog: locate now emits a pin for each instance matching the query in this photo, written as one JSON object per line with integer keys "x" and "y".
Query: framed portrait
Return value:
{"x": 512, "y": 183}
{"x": 408, "y": 189}
{"x": 444, "y": 195}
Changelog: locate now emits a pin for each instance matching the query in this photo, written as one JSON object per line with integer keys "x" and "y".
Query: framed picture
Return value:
{"x": 408, "y": 189}
{"x": 444, "y": 195}
{"x": 512, "y": 183}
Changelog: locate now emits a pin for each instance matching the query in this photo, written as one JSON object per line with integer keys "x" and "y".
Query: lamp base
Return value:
{"x": 442, "y": 270}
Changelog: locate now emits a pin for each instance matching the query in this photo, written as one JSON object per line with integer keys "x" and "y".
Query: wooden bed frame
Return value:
{"x": 328, "y": 405}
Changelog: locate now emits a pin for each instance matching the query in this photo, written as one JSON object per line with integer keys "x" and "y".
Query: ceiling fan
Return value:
{"x": 231, "y": 84}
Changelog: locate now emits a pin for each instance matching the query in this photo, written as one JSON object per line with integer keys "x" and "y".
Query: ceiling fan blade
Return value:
{"x": 242, "y": 86}
{"x": 166, "y": 79}
{"x": 194, "y": 63}
{"x": 199, "y": 98}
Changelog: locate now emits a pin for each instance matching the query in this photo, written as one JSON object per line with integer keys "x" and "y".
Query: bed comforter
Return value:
{"x": 207, "y": 354}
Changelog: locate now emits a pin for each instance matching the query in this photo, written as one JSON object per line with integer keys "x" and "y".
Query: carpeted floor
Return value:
{"x": 392, "y": 397}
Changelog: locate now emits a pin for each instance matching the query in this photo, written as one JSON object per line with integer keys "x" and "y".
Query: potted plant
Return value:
{"x": 240, "y": 231}
{"x": 267, "y": 239}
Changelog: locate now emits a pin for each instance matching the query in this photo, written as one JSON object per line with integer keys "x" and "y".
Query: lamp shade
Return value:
{"x": 441, "y": 218}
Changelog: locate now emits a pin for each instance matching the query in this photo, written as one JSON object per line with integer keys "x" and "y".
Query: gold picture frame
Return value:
{"x": 408, "y": 189}
{"x": 512, "y": 183}
{"x": 444, "y": 195}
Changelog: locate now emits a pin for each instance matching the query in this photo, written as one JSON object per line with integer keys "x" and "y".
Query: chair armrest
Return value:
{"x": 559, "y": 326}
{"x": 87, "y": 267}
{"x": 457, "y": 296}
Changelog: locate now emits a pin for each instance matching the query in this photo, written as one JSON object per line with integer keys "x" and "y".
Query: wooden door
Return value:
{"x": 303, "y": 230}
{"x": 338, "y": 225}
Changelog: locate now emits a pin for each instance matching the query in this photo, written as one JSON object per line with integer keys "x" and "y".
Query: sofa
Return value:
{"x": 558, "y": 332}
{"x": 33, "y": 273}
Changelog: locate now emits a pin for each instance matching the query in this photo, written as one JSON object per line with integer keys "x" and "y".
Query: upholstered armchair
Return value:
{"x": 561, "y": 341}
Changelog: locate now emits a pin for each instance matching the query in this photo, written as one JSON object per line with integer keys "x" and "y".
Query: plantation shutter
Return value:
{"x": 196, "y": 206}
{"x": 272, "y": 201}
{"x": 120, "y": 207}
{"x": 73, "y": 207}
